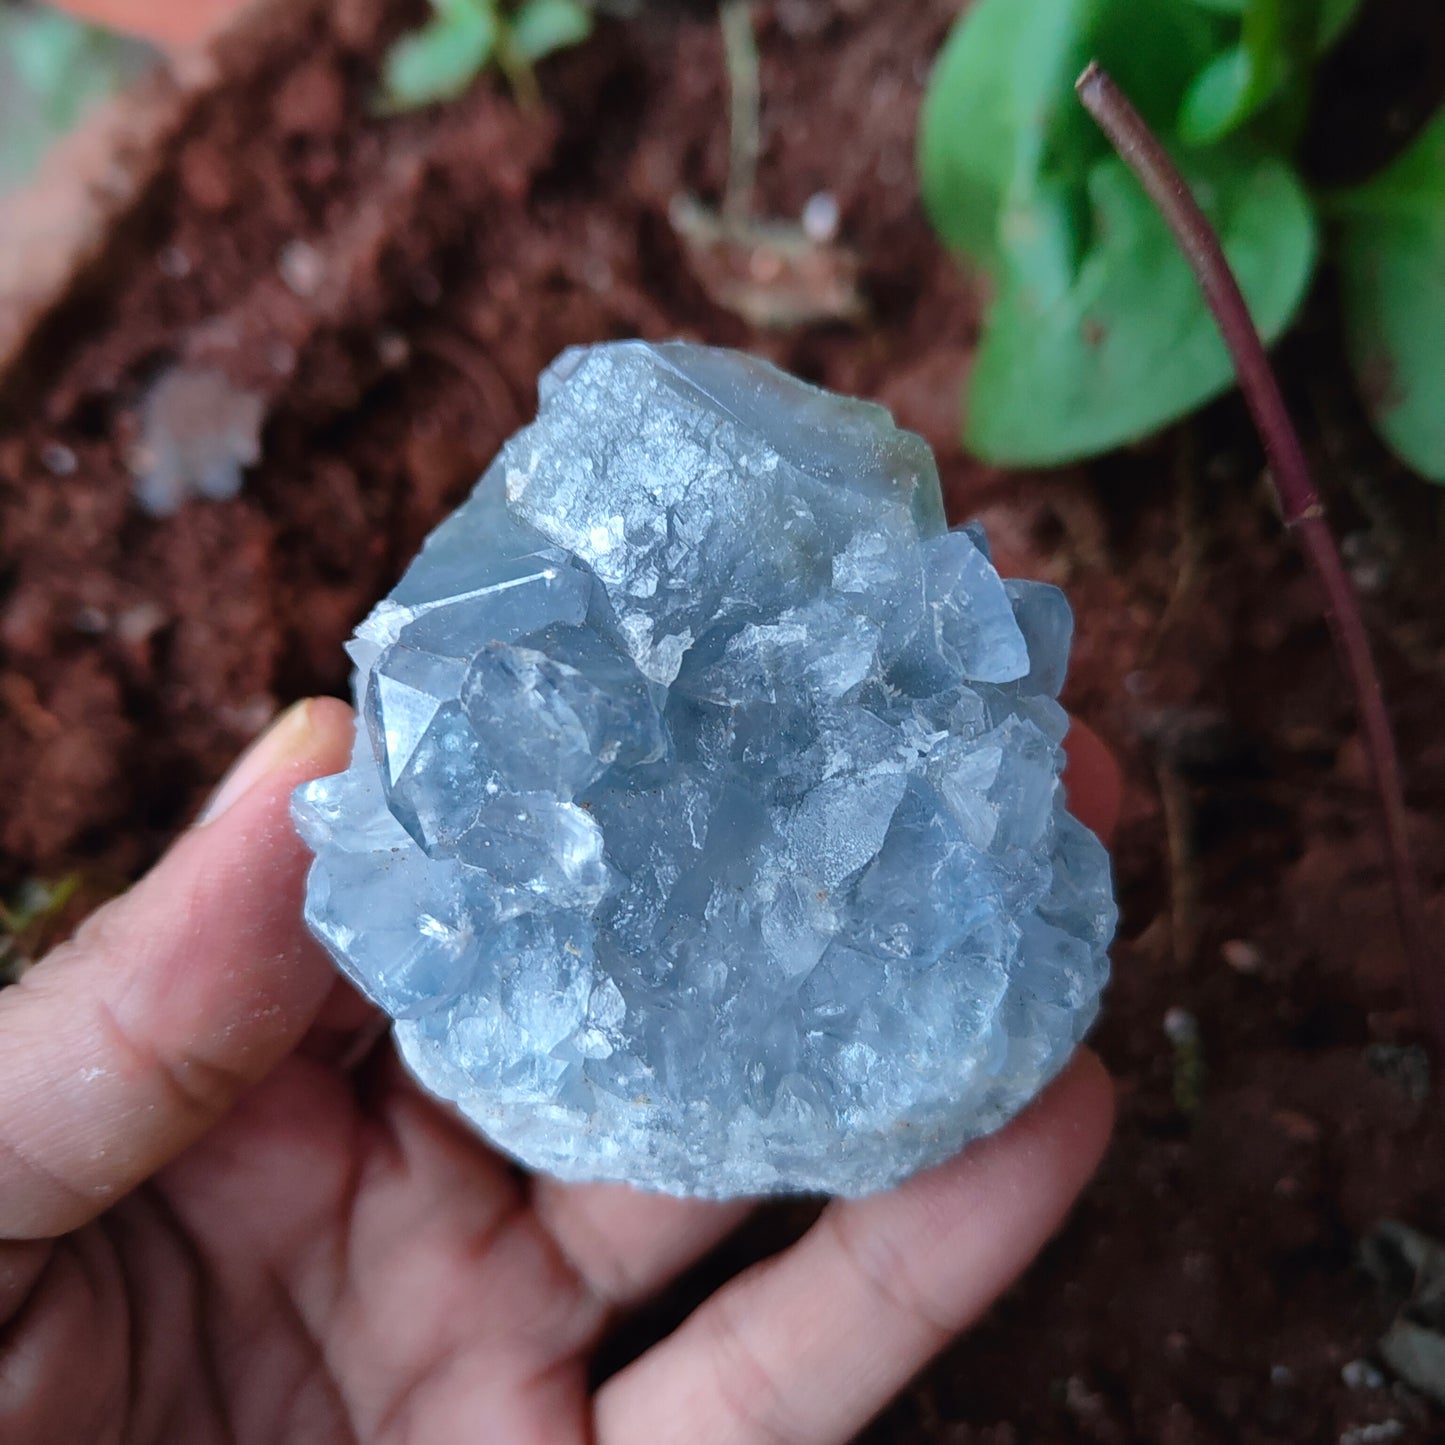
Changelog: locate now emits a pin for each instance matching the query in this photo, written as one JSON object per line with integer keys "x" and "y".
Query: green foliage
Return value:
{"x": 24, "y": 917}
{"x": 1279, "y": 40}
{"x": 441, "y": 59}
{"x": 1076, "y": 361}
{"x": 1392, "y": 266}
{"x": 542, "y": 26}
{"x": 1096, "y": 333}
{"x": 53, "y": 68}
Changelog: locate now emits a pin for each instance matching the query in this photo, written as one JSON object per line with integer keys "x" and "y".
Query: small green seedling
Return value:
{"x": 1188, "y": 1070}
{"x": 53, "y": 69}
{"x": 24, "y": 918}
{"x": 1096, "y": 335}
{"x": 1391, "y": 257}
{"x": 463, "y": 37}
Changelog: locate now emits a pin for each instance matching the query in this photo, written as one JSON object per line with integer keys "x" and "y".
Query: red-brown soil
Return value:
{"x": 1207, "y": 1288}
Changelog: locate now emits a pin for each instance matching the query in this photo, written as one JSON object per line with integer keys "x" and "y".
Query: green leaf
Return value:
{"x": 439, "y": 61}
{"x": 1098, "y": 334}
{"x": 1392, "y": 268}
{"x": 541, "y": 27}
{"x": 1330, "y": 18}
{"x": 1336, "y": 16}
{"x": 1237, "y": 84}
{"x": 1279, "y": 40}
{"x": 1220, "y": 98}
{"x": 1414, "y": 181}
{"x": 1076, "y": 363}
{"x": 53, "y": 69}
{"x": 1000, "y": 113}
{"x": 1154, "y": 50}
{"x": 1000, "y": 78}
{"x": 1266, "y": 34}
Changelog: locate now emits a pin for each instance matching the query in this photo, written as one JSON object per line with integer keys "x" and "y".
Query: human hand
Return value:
{"x": 211, "y": 1231}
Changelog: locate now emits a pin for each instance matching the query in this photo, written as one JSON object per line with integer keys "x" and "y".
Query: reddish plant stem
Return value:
{"x": 1299, "y": 500}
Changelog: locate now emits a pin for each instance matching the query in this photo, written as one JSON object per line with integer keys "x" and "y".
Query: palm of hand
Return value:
{"x": 316, "y": 1270}
{"x": 337, "y": 1260}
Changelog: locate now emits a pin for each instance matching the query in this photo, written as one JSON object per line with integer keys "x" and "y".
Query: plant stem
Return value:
{"x": 740, "y": 48}
{"x": 1299, "y": 500}
{"x": 520, "y": 74}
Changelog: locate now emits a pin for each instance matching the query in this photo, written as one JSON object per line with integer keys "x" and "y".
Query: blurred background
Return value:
{"x": 277, "y": 278}
{"x": 53, "y": 70}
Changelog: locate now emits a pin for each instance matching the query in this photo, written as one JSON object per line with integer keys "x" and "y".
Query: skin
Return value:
{"x": 213, "y": 1231}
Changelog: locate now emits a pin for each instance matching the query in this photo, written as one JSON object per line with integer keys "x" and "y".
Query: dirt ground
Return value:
{"x": 1207, "y": 1289}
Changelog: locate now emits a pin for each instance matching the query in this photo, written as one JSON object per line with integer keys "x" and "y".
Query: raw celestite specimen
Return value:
{"x": 704, "y": 827}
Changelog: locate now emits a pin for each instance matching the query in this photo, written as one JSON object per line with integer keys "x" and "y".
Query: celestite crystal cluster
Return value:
{"x": 704, "y": 826}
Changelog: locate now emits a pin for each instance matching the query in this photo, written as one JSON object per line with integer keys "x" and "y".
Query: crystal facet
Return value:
{"x": 704, "y": 826}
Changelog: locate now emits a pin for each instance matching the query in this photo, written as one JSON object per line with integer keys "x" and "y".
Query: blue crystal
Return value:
{"x": 704, "y": 828}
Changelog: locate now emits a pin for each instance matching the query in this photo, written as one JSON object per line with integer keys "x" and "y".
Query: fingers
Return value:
{"x": 129, "y": 1042}
{"x": 625, "y": 1244}
{"x": 807, "y": 1347}
{"x": 1092, "y": 781}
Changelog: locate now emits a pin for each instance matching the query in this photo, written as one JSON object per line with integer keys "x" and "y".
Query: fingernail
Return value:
{"x": 271, "y": 749}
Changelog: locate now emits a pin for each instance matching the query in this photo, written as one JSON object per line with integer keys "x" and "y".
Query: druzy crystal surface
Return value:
{"x": 704, "y": 827}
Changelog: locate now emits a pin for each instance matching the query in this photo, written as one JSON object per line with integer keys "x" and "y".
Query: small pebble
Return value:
{"x": 1242, "y": 956}
{"x": 198, "y": 434}
{"x": 1197, "y": 1265}
{"x": 1362, "y": 1375}
{"x": 1296, "y": 1126}
{"x": 1180, "y": 1026}
{"x": 393, "y": 350}
{"x": 90, "y": 621}
{"x": 1406, "y": 1066}
{"x": 140, "y": 623}
{"x": 174, "y": 263}
{"x": 1374, "y": 1434}
{"x": 58, "y": 460}
{"x": 821, "y": 218}
{"x": 1368, "y": 565}
{"x": 247, "y": 719}
{"x": 302, "y": 267}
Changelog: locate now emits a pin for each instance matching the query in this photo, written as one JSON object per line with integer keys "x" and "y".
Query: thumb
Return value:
{"x": 129, "y": 1042}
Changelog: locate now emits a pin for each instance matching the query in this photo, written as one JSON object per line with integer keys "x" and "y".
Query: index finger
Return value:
{"x": 1092, "y": 781}
{"x": 129, "y": 1042}
{"x": 628, "y": 1244}
{"x": 808, "y": 1346}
